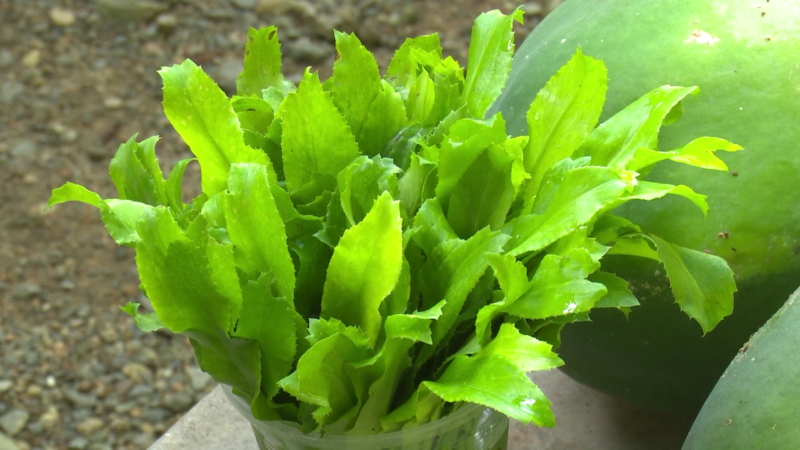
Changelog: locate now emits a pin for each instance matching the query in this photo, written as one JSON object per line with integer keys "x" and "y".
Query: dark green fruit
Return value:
{"x": 755, "y": 405}
{"x": 746, "y": 60}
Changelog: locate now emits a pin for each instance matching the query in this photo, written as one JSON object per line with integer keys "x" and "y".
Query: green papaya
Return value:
{"x": 756, "y": 403}
{"x": 745, "y": 57}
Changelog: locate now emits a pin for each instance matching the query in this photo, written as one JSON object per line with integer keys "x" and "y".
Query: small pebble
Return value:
{"x": 6, "y": 443}
{"x": 62, "y": 17}
{"x": 5, "y": 385}
{"x": 89, "y": 426}
{"x": 32, "y": 58}
{"x": 49, "y": 418}
{"x": 138, "y": 373}
{"x": 14, "y": 421}
{"x": 34, "y": 390}
{"x": 166, "y": 22}
{"x": 79, "y": 443}
{"x": 198, "y": 378}
{"x": 112, "y": 102}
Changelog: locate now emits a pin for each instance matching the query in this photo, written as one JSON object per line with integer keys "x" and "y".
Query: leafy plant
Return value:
{"x": 370, "y": 252}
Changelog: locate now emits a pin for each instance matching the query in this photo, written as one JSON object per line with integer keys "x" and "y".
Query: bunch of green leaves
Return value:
{"x": 370, "y": 252}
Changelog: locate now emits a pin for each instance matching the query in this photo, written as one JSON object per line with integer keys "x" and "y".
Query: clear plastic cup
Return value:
{"x": 473, "y": 427}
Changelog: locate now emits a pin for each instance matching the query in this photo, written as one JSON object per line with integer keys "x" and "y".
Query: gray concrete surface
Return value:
{"x": 585, "y": 419}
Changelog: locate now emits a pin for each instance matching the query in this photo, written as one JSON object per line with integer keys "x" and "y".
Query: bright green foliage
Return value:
{"x": 255, "y": 227}
{"x": 368, "y": 251}
{"x": 146, "y": 322}
{"x": 262, "y": 63}
{"x": 698, "y": 153}
{"x": 276, "y": 336}
{"x": 490, "y": 50}
{"x": 562, "y": 114}
{"x": 615, "y": 143}
{"x": 703, "y": 284}
{"x": 316, "y": 138}
{"x": 358, "y": 280}
{"x": 191, "y": 101}
{"x": 356, "y": 82}
{"x": 136, "y": 174}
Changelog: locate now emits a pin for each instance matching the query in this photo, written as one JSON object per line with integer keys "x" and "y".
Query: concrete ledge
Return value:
{"x": 586, "y": 419}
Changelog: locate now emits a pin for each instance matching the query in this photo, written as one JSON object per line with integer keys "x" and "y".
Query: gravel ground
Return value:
{"x": 76, "y": 79}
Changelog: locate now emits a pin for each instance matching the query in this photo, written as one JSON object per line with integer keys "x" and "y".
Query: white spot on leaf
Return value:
{"x": 701, "y": 37}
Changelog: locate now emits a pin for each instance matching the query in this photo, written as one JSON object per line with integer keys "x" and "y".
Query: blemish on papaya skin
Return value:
{"x": 701, "y": 37}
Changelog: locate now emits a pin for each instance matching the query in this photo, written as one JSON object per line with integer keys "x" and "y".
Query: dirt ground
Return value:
{"x": 77, "y": 78}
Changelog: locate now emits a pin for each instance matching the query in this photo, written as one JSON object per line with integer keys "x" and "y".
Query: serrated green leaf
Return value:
{"x": 319, "y": 329}
{"x": 415, "y": 186}
{"x": 296, "y": 224}
{"x": 397, "y": 301}
{"x": 71, "y": 192}
{"x": 356, "y": 82}
{"x": 136, "y": 173}
{"x": 191, "y": 285}
{"x": 491, "y": 47}
{"x": 698, "y": 153}
{"x": 321, "y": 379}
{"x": 422, "y": 407}
{"x": 235, "y": 362}
{"x": 312, "y": 258}
{"x": 192, "y": 101}
{"x": 467, "y": 139}
{"x": 634, "y": 245}
{"x": 316, "y": 138}
{"x": 421, "y": 96}
{"x": 618, "y": 295}
{"x": 365, "y": 268}
{"x": 404, "y": 144}
{"x": 402, "y": 332}
{"x": 146, "y": 322}
{"x": 447, "y": 93}
{"x": 433, "y": 227}
{"x": 703, "y": 284}
{"x": 255, "y": 227}
{"x": 362, "y": 182}
{"x": 384, "y": 119}
{"x": 262, "y": 62}
{"x": 527, "y": 353}
{"x": 403, "y": 66}
{"x": 451, "y": 272}
{"x": 270, "y": 321}
{"x": 614, "y": 142}
{"x": 496, "y": 382}
{"x": 646, "y": 190}
{"x": 511, "y": 275}
{"x": 174, "y": 186}
{"x": 255, "y": 114}
{"x": 552, "y": 181}
{"x": 559, "y": 287}
{"x": 415, "y": 326}
{"x": 483, "y": 195}
{"x": 514, "y": 147}
{"x": 119, "y": 216}
{"x": 608, "y": 228}
{"x": 336, "y": 221}
{"x": 579, "y": 239}
{"x": 562, "y": 115}
{"x": 583, "y": 194}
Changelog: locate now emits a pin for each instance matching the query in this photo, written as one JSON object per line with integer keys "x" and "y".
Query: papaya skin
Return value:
{"x": 748, "y": 68}
{"x": 754, "y": 404}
